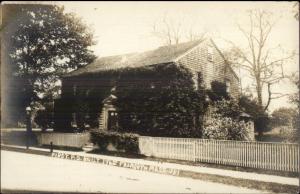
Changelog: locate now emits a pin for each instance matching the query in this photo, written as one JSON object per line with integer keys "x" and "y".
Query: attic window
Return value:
{"x": 227, "y": 82}
{"x": 210, "y": 53}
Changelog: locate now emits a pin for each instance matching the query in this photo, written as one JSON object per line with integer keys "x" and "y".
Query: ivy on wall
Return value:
{"x": 83, "y": 96}
{"x": 158, "y": 100}
{"x": 218, "y": 91}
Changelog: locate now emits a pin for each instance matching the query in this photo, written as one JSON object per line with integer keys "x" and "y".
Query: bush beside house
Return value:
{"x": 225, "y": 128}
{"x": 127, "y": 142}
{"x": 224, "y": 122}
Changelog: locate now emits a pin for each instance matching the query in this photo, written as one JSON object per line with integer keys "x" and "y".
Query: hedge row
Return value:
{"x": 127, "y": 142}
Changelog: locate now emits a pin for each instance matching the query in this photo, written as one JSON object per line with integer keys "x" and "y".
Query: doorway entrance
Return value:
{"x": 112, "y": 120}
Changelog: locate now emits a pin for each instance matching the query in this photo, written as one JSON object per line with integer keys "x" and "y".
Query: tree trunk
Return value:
{"x": 259, "y": 99}
{"x": 259, "y": 93}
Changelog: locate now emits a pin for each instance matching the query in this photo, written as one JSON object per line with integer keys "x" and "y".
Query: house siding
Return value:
{"x": 215, "y": 70}
{"x": 196, "y": 59}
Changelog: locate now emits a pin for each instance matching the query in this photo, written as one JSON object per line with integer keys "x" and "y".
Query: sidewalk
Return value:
{"x": 206, "y": 170}
{"x": 177, "y": 168}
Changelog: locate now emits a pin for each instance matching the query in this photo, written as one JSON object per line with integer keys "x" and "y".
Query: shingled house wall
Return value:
{"x": 216, "y": 69}
{"x": 98, "y": 75}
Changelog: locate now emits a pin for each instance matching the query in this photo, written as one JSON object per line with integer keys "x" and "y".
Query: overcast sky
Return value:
{"x": 123, "y": 27}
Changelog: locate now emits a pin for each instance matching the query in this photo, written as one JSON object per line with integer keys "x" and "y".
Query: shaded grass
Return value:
{"x": 251, "y": 184}
{"x": 191, "y": 163}
{"x": 279, "y": 138}
{"x": 226, "y": 167}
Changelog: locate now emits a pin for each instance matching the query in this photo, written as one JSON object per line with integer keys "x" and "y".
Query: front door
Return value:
{"x": 112, "y": 120}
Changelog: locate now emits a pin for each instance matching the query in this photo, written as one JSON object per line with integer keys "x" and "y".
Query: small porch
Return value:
{"x": 108, "y": 119}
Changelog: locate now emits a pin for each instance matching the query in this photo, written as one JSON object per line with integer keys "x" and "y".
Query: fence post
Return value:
{"x": 51, "y": 146}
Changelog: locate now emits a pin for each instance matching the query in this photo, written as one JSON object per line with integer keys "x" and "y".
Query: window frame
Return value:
{"x": 228, "y": 85}
{"x": 210, "y": 54}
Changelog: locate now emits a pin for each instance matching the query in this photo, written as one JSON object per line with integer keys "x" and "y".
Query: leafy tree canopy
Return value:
{"x": 283, "y": 116}
{"x": 44, "y": 43}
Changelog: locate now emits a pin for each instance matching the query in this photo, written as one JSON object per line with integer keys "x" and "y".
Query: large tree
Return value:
{"x": 283, "y": 116}
{"x": 263, "y": 62}
{"x": 42, "y": 43}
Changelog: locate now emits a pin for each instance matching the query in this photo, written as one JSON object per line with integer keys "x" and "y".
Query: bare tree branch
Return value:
{"x": 172, "y": 31}
{"x": 257, "y": 58}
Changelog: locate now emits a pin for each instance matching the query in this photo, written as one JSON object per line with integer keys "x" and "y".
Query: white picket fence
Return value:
{"x": 76, "y": 140}
{"x": 271, "y": 156}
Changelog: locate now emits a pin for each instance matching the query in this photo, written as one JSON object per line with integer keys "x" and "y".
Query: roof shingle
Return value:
{"x": 164, "y": 54}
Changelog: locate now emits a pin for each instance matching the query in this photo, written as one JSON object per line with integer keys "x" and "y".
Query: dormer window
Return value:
{"x": 210, "y": 53}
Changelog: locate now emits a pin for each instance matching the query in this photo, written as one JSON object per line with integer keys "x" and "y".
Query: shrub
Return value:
{"x": 292, "y": 136}
{"x": 224, "y": 122}
{"x": 121, "y": 141}
{"x": 227, "y": 108}
{"x": 225, "y": 128}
